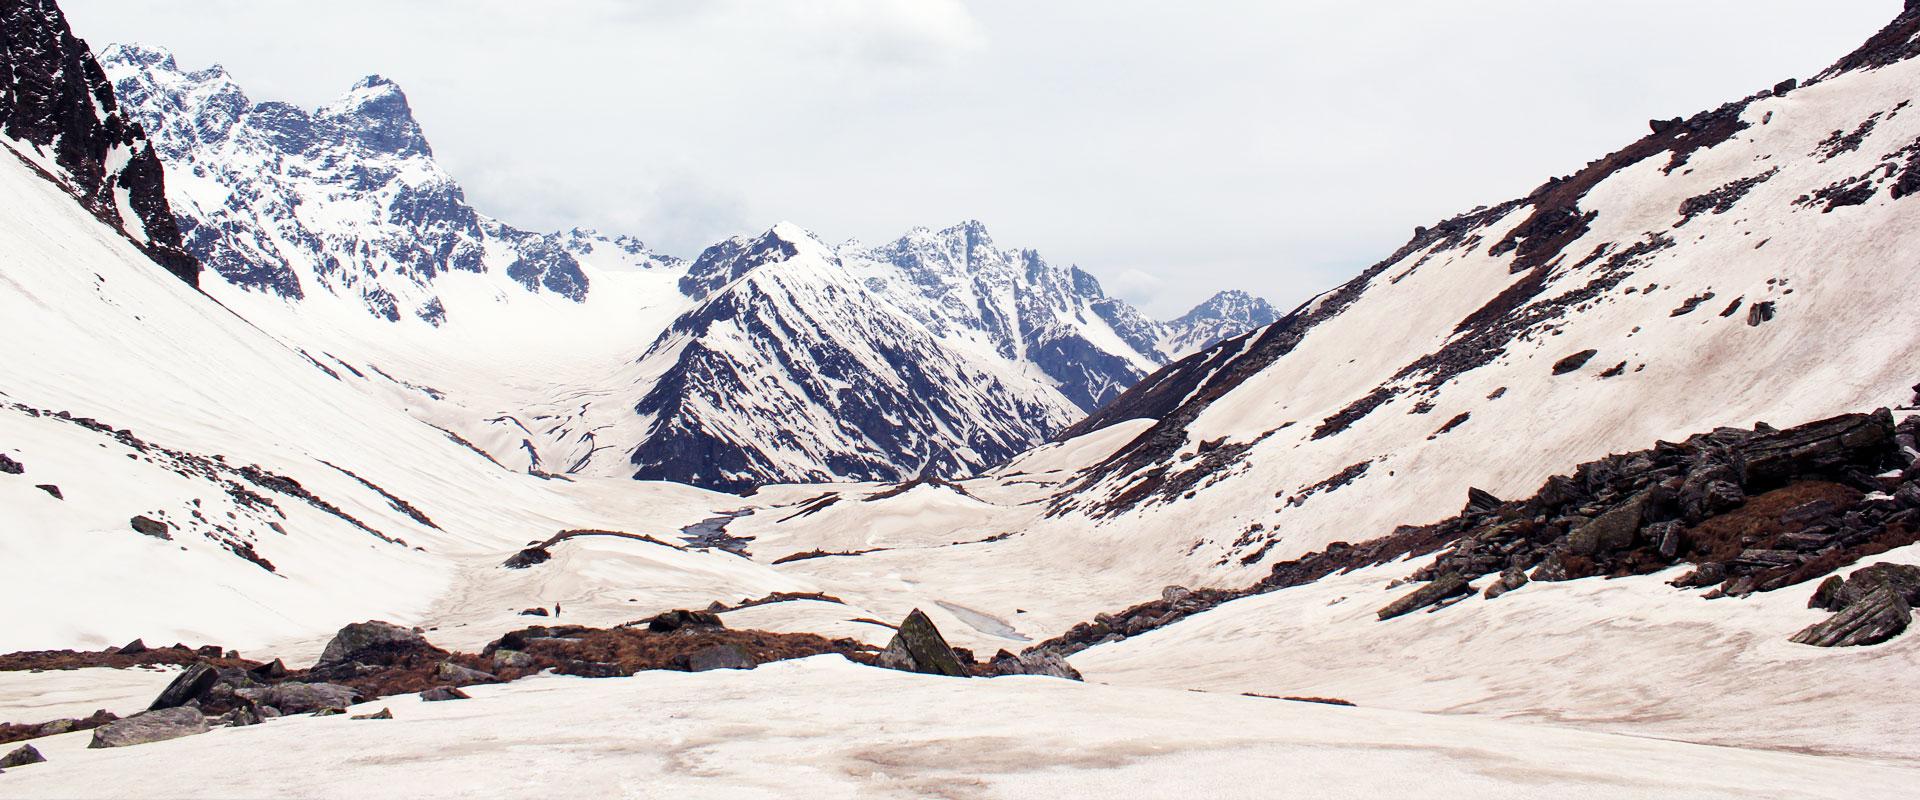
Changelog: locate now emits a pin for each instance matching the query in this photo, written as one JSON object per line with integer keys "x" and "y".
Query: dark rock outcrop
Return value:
{"x": 441, "y": 694}
{"x": 8, "y": 466}
{"x": 55, "y": 98}
{"x": 300, "y": 698}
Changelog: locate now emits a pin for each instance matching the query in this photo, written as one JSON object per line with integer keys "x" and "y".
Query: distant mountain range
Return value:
{"x": 775, "y": 357}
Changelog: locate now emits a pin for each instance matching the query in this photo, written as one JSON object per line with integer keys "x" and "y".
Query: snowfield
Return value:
{"x": 823, "y": 727}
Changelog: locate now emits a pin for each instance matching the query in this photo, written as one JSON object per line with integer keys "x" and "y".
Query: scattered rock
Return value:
{"x": 919, "y": 647}
{"x": 385, "y": 713}
{"x": 1175, "y": 594}
{"x": 133, "y": 648}
{"x": 330, "y": 712}
{"x": 719, "y": 656}
{"x": 151, "y": 527}
{"x": 239, "y": 717}
{"x": 527, "y": 558}
{"x": 23, "y": 755}
{"x": 52, "y": 490}
{"x": 1785, "y": 86}
{"x": 1481, "y": 501}
{"x": 1443, "y": 588}
{"x": 192, "y": 683}
{"x": 11, "y": 467}
{"x": 534, "y": 612}
{"x": 152, "y": 726}
{"x": 682, "y": 619}
{"x": 441, "y": 694}
{"x": 1759, "y": 313}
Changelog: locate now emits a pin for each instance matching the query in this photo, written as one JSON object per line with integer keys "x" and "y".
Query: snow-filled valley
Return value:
{"x": 667, "y": 521}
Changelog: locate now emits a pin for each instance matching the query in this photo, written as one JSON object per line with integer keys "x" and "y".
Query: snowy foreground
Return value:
{"x": 823, "y": 727}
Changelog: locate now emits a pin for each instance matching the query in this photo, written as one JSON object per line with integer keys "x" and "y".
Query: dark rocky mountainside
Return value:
{"x": 56, "y": 100}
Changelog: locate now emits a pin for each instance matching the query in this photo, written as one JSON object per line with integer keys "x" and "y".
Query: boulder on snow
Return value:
{"x": 271, "y": 671}
{"x": 297, "y": 698}
{"x": 1573, "y": 362}
{"x": 11, "y": 467}
{"x": 373, "y": 642}
{"x": 1881, "y": 615}
{"x": 1443, "y": 588}
{"x": 441, "y": 694}
{"x": 385, "y": 713}
{"x": 537, "y": 611}
{"x": 151, "y": 527}
{"x": 51, "y": 490}
{"x": 918, "y": 647}
{"x": 1481, "y": 500}
{"x": 152, "y": 726}
{"x": 133, "y": 648}
{"x": 21, "y": 756}
{"x": 192, "y": 683}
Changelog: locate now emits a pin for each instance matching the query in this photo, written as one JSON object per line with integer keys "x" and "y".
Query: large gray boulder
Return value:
{"x": 918, "y": 647}
{"x": 299, "y": 698}
{"x": 456, "y": 675}
{"x": 1045, "y": 663}
{"x": 372, "y": 642}
{"x": 152, "y": 726}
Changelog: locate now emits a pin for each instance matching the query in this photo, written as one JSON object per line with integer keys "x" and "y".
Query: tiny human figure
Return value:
{"x": 556, "y": 610}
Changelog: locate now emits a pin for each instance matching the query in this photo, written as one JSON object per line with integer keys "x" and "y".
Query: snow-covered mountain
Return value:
{"x": 1221, "y": 317}
{"x": 346, "y": 198}
{"x": 768, "y": 358}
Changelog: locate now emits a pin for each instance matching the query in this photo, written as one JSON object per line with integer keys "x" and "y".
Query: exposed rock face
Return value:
{"x": 152, "y": 726}
{"x": 919, "y": 647}
{"x": 55, "y": 101}
{"x": 461, "y": 676}
{"x": 8, "y": 466}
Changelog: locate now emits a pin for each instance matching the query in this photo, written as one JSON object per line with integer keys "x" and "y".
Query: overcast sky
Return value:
{"x": 1172, "y": 149}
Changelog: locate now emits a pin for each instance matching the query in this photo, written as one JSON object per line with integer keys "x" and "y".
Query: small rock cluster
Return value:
{"x": 1872, "y": 605}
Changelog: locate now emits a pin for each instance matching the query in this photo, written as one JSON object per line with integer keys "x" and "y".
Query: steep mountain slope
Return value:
{"x": 1741, "y": 264}
{"x": 60, "y": 114}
